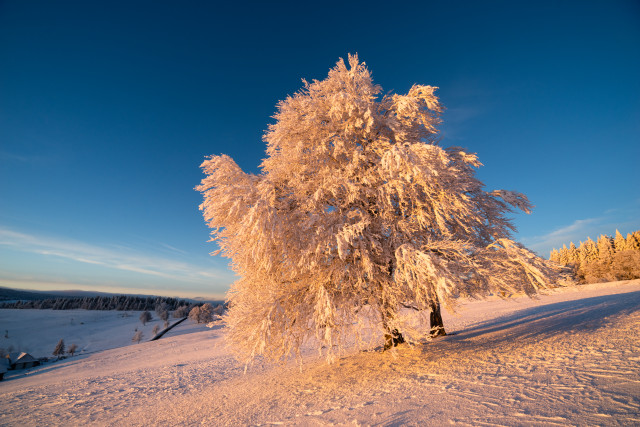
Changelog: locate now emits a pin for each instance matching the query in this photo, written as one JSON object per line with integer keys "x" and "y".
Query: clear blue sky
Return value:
{"x": 107, "y": 110}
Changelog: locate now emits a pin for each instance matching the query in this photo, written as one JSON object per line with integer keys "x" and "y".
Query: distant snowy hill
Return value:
{"x": 9, "y": 294}
{"x": 571, "y": 357}
{"x": 23, "y": 294}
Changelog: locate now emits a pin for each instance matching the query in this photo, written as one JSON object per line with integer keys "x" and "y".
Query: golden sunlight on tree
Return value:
{"x": 357, "y": 214}
{"x": 607, "y": 260}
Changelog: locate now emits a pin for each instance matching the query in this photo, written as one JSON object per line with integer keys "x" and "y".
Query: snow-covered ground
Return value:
{"x": 568, "y": 358}
{"x": 38, "y": 331}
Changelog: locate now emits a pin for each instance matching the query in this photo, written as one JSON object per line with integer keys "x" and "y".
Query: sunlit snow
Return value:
{"x": 570, "y": 357}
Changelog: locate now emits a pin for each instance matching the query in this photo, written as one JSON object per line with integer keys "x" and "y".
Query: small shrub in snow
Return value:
{"x": 194, "y": 314}
{"x": 72, "y": 349}
{"x": 181, "y": 312}
{"x": 206, "y": 313}
{"x": 137, "y": 337}
{"x": 160, "y": 308}
{"x": 59, "y": 350}
{"x": 145, "y": 317}
{"x": 201, "y": 314}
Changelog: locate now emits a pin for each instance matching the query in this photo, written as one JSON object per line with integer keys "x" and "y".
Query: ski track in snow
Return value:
{"x": 568, "y": 358}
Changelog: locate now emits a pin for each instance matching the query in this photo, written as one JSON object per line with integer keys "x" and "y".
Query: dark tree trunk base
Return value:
{"x": 393, "y": 339}
{"x": 437, "y": 332}
{"x": 435, "y": 320}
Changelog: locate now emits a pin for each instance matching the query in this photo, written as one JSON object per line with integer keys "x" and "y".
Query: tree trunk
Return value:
{"x": 435, "y": 320}
{"x": 392, "y": 337}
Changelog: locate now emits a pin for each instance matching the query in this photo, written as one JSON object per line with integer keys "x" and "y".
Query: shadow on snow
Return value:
{"x": 583, "y": 315}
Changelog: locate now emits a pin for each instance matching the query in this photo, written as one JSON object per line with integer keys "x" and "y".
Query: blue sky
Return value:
{"x": 107, "y": 110}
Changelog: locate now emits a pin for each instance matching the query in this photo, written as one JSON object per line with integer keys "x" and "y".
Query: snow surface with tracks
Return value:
{"x": 571, "y": 357}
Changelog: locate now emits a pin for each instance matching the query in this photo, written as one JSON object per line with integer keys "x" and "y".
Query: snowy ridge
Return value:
{"x": 568, "y": 358}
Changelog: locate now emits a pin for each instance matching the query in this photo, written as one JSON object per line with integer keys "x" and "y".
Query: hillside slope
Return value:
{"x": 571, "y": 357}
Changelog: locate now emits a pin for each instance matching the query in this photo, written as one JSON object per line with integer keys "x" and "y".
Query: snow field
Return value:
{"x": 38, "y": 331}
{"x": 568, "y": 358}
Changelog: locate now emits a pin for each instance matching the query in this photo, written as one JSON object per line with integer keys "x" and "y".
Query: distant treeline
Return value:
{"x": 608, "y": 259}
{"x": 116, "y": 302}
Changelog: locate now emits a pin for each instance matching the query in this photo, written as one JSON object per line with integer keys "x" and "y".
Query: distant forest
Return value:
{"x": 608, "y": 259}
{"x": 115, "y": 302}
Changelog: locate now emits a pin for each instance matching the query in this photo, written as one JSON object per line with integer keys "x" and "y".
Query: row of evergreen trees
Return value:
{"x": 608, "y": 259}
{"x": 116, "y": 302}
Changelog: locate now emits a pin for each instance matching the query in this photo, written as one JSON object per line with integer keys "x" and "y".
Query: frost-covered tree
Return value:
{"x": 59, "y": 350}
{"x": 626, "y": 265}
{"x": 588, "y": 252}
{"x": 633, "y": 241}
{"x": 201, "y": 314}
{"x": 574, "y": 255}
{"x": 619, "y": 242}
{"x": 194, "y": 314}
{"x": 180, "y": 312}
{"x": 357, "y": 213}
{"x": 137, "y": 337}
{"x": 72, "y": 349}
{"x": 206, "y": 313}
{"x": 606, "y": 248}
{"x": 608, "y": 259}
{"x": 603, "y": 268}
{"x": 145, "y": 317}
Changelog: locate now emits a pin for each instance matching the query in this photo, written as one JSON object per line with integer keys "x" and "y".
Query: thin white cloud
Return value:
{"x": 458, "y": 115}
{"x": 141, "y": 270}
{"x": 125, "y": 260}
{"x": 174, "y": 249}
{"x": 575, "y": 232}
{"x": 623, "y": 219}
{"x": 455, "y": 118}
{"x": 13, "y": 157}
{"x": 89, "y": 261}
{"x": 578, "y": 225}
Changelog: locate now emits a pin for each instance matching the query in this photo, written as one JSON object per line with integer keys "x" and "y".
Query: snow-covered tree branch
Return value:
{"x": 357, "y": 206}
